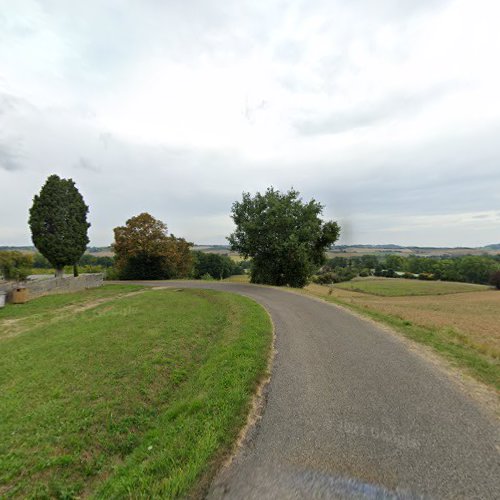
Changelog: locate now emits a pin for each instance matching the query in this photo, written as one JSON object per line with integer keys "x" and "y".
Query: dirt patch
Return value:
{"x": 17, "y": 326}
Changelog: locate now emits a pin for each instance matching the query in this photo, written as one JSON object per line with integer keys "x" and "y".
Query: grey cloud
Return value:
{"x": 371, "y": 113}
{"x": 9, "y": 159}
{"x": 86, "y": 164}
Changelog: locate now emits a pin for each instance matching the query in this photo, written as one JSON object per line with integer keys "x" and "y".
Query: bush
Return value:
{"x": 15, "y": 265}
{"x": 426, "y": 277}
{"x": 495, "y": 279}
{"x": 216, "y": 265}
{"x": 337, "y": 276}
{"x": 111, "y": 273}
{"x": 365, "y": 273}
{"x": 409, "y": 276}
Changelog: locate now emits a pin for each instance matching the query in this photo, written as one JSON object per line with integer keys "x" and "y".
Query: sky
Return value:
{"x": 386, "y": 112}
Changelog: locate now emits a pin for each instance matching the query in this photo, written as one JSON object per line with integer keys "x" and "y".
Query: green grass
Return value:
{"x": 397, "y": 287}
{"x": 141, "y": 393}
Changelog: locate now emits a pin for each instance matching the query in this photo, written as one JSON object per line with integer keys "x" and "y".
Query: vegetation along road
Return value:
{"x": 352, "y": 412}
{"x": 125, "y": 389}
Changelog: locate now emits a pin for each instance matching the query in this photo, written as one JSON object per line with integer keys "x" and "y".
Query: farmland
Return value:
{"x": 404, "y": 287}
{"x": 459, "y": 321}
{"x": 123, "y": 389}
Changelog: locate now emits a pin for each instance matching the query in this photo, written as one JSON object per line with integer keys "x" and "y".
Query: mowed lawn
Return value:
{"x": 124, "y": 391}
{"x": 461, "y": 324}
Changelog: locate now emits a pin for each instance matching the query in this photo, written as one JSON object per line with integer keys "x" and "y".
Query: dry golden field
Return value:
{"x": 474, "y": 315}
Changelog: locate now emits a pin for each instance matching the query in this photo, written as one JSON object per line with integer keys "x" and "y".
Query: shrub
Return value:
{"x": 216, "y": 265}
{"x": 15, "y": 265}
{"x": 337, "y": 276}
{"x": 495, "y": 279}
{"x": 365, "y": 273}
{"x": 426, "y": 277}
{"x": 409, "y": 276}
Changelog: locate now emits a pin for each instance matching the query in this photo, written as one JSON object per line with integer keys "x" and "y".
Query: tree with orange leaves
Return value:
{"x": 144, "y": 250}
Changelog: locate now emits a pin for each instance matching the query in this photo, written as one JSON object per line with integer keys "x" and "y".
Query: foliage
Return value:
{"x": 426, "y": 277}
{"x": 468, "y": 268}
{"x": 284, "y": 236}
{"x": 96, "y": 260}
{"x": 107, "y": 393}
{"x": 215, "y": 265}
{"x": 495, "y": 279}
{"x": 58, "y": 222}
{"x": 87, "y": 263}
{"x": 15, "y": 265}
{"x": 337, "y": 275}
{"x": 143, "y": 250}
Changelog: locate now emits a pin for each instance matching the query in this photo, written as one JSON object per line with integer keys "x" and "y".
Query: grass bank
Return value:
{"x": 125, "y": 391}
{"x": 462, "y": 327}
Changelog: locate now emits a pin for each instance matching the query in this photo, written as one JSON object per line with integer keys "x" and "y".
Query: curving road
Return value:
{"x": 351, "y": 412}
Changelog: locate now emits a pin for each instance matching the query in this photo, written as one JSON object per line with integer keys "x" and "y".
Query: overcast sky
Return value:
{"x": 387, "y": 112}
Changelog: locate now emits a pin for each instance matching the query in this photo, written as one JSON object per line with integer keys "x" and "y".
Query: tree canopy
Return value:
{"x": 58, "y": 222}
{"x": 285, "y": 237}
{"x": 215, "y": 265}
{"x": 144, "y": 250}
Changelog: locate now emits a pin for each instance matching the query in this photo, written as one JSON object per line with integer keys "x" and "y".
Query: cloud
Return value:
{"x": 385, "y": 112}
{"x": 370, "y": 113}
{"x": 86, "y": 164}
{"x": 9, "y": 159}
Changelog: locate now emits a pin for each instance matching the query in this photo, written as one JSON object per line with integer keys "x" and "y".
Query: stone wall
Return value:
{"x": 49, "y": 286}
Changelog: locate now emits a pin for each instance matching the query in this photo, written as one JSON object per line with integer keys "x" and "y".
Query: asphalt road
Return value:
{"x": 352, "y": 413}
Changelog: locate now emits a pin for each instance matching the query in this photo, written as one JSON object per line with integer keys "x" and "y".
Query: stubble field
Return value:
{"x": 458, "y": 320}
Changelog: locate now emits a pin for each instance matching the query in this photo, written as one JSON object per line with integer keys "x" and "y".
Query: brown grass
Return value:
{"x": 475, "y": 315}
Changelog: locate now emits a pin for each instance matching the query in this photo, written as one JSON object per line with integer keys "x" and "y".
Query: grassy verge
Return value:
{"x": 139, "y": 393}
{"x": 455, "y": 346}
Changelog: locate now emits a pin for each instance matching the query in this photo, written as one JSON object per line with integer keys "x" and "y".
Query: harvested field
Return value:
{"x": 461, "y": 326}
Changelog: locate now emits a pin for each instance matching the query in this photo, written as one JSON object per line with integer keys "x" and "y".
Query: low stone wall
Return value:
{"x": 50, "y": 286}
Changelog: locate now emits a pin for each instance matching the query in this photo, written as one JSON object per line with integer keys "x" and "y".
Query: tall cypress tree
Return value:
{"x": 58, "y": 223}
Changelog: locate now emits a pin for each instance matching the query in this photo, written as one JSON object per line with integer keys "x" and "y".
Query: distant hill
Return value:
{"x": 345, "y": 250}
{"x": 353, "y": 250}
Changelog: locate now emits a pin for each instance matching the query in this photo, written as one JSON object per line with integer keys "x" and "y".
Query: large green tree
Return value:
{"x": 285, "y": 236}
{"x": 58, "y": 222}
{"x": 144, "y": 250}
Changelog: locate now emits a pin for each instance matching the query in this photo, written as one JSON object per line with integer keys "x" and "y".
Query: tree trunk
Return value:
{"x": 75, "y": 270}
{"x": 59, "y": 272}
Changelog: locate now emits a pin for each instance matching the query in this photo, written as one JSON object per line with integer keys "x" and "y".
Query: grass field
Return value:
{"x": 461, "y": 325}
{"x": 122, "y": 389}
{"x": 395, "y": 287}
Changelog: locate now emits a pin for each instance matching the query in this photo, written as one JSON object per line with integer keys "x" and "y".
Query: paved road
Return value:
{"x": 351, "y": 413}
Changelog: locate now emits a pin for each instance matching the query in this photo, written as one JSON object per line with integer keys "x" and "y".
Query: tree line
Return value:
{"x": 282, "y": 238}
{"x": 479, "y": 269}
